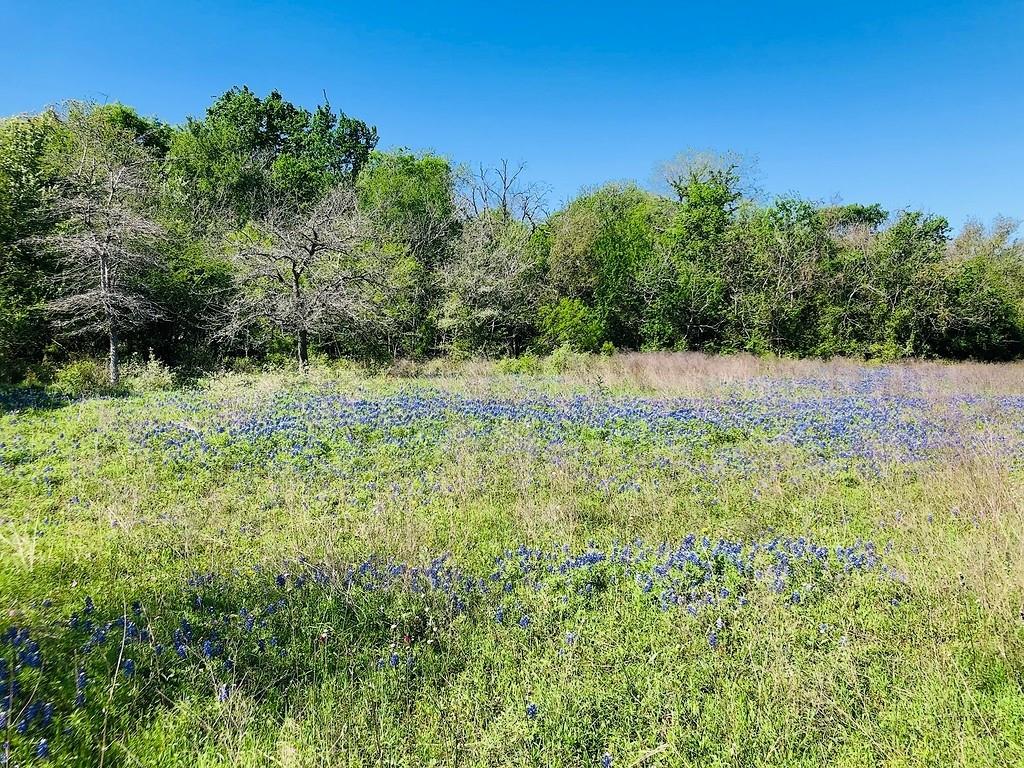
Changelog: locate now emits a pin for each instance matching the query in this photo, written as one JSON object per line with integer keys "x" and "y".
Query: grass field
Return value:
{"x": 641, "y": 560}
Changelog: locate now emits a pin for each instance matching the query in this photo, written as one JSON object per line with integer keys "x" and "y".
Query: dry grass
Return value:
{"x": 696, "y": 373}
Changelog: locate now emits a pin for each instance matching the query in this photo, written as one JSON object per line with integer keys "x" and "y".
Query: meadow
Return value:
{"x": 639, "y": 560}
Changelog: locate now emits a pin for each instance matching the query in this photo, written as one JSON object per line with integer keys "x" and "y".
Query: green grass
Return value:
{"x": 145, "y": 501}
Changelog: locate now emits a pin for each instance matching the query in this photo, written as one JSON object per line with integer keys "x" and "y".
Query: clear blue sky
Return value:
{"x": 906, "y": 103}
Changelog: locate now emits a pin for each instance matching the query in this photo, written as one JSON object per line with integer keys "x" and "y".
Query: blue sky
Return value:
{"x": 905, "y": 103}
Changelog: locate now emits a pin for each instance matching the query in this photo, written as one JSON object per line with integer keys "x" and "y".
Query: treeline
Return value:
{"x": 263, "y": 231}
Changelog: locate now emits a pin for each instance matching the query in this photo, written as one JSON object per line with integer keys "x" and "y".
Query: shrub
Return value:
{"x": 564, "y": 359}
{"x": 151, "y": 376}
{"x": 528, "y": 364}
{"x": 39, "y": 374}
{"x": 82, "y": 378}
{"x": 570, "y": 323}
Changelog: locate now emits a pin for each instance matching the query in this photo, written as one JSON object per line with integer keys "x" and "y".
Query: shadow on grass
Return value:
{"x": 17, "y": 399}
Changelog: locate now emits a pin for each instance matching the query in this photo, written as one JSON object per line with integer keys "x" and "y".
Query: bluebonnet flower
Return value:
{"x": 524, "y": 622}
{"x": 531, "y": 710}
{"x": 606, "y": 760}
{"x": 42, "y": 749}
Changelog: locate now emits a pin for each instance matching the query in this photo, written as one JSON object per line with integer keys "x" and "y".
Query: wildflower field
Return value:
{"x": 662, "y": 560}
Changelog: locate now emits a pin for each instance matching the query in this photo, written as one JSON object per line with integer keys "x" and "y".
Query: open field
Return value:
{"x": 639, "y": 560}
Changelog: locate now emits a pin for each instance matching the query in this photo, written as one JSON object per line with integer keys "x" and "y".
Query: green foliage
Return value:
{"x": 687, "y": 283}
{"x": 247, "y": 150}
{"x": 411, "y": 200}
{"x": 570, "y": 323}
{"x": 599, "y": 246}
{"x": 464, "y": 272}
{"x": 82, "y": 378}
{"x": 24, "y": 265}
{"x": 150, "y": 375}
{"x": 563, "y": 359}
{"x": 524, "y": 364}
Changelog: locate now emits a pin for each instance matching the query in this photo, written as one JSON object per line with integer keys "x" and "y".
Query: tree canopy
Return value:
{"x": 264, "y": 230}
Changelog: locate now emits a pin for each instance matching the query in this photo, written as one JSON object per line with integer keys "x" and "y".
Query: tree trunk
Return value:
{"x": 114, "y": 364}
{"x": 303, "y": 340}
{"x": 303, "y": 350}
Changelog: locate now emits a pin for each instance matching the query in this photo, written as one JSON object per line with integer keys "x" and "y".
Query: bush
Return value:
{"x": 570, "y": 323}
{"x": 82, "y": 378}
{"x": 151, "y": 376}
{"x": 39, "y": 374}
{"x": 528, "y": 364}
{"x": 564, "y": 359}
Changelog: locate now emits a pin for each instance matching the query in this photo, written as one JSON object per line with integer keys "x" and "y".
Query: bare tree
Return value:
{"x": 502, "y": 189}
{"x": 105, "y": 236}
{"x": 491, "y": 285}
{"x": 306, "y": 270}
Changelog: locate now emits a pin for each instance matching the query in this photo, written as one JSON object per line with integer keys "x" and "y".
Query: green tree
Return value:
{"x": 686, "y": 284}
{"x": 248, "y": 150}
{"x": 411, "y": 200}
{"x": 25, "y": 266}
{"x": 599, "y": 246}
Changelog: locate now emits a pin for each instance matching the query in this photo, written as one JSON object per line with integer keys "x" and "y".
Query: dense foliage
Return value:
{"x": 431, "y": 259}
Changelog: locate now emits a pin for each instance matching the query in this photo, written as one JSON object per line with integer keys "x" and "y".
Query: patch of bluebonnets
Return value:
{"x": 63, "y": 666}
{"x": 863, "y": 424}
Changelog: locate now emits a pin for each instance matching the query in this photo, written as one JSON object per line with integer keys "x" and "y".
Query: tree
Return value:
{"x": 106, "y": 233}
{"x": 25, "y": 266}
{"x": 248, "y": 153}
{"x": 305, "y": 270}
{"x": 686, "y": 284}
{"x": 600, "y": 246}
{"x": 492, "y": 287}
{"x": 696, "y": 170}
{"x": 501, "y": 189}
{"x": 981, "y": 311}
{"x": 411, "y": 200}
{"x": 778, "y": 279}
